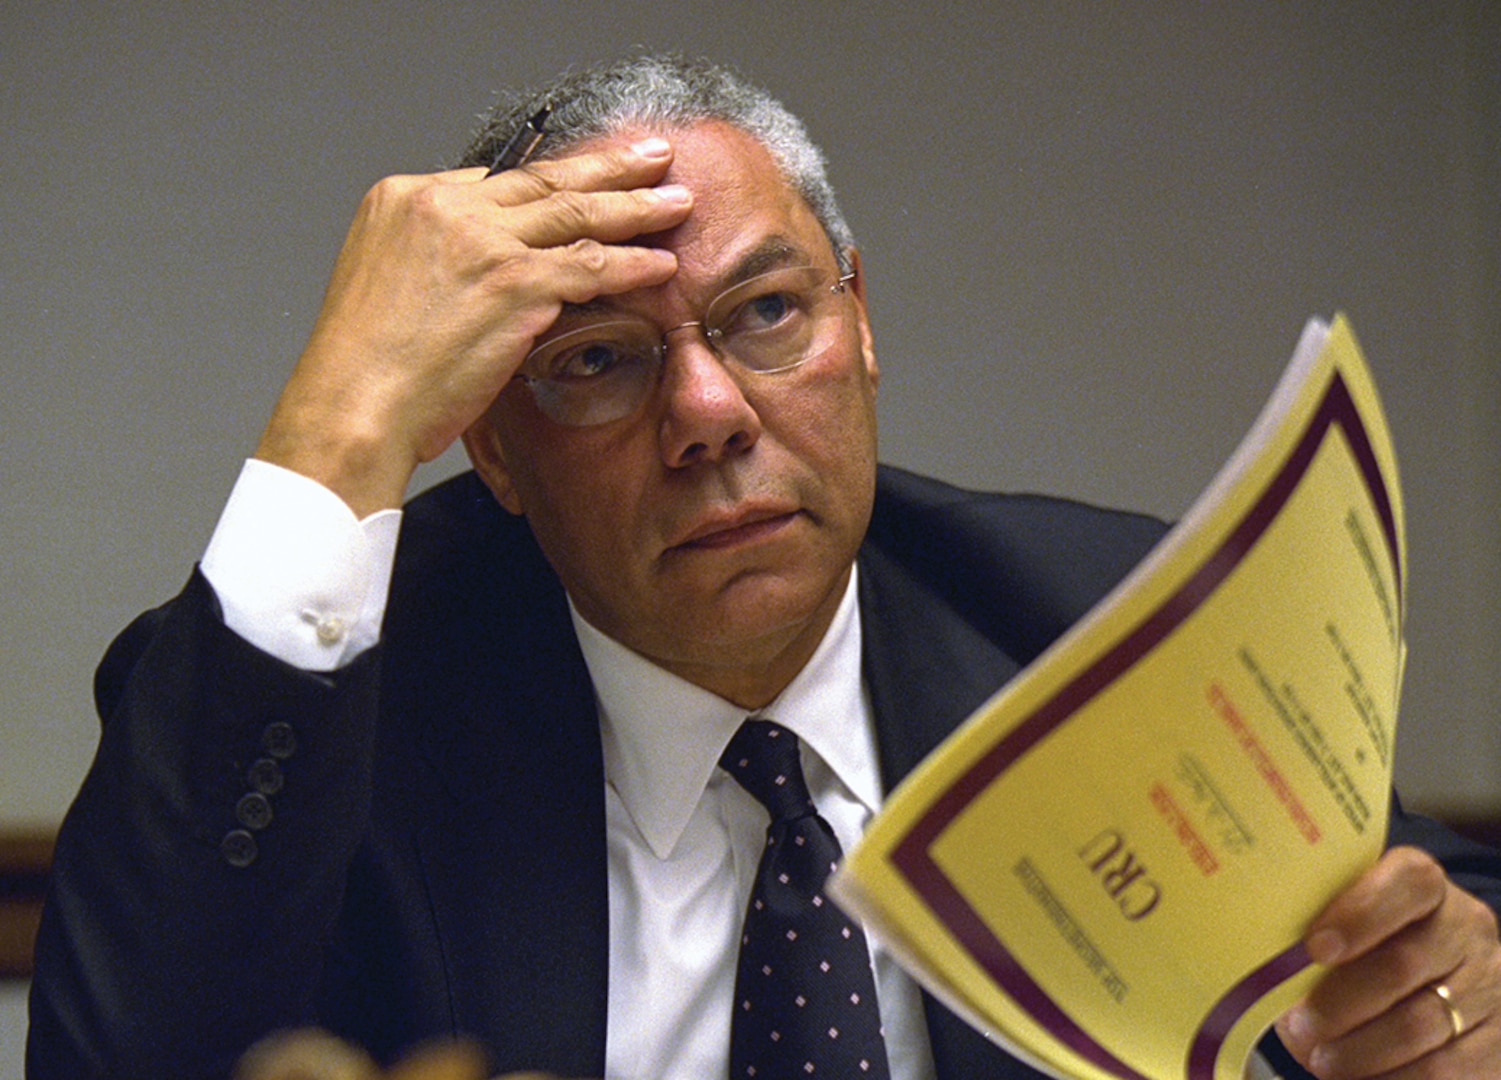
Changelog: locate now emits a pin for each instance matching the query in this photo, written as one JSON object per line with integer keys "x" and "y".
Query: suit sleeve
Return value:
{"x": 209, "y": 845}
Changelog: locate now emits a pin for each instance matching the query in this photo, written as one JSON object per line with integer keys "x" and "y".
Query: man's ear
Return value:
{"x": 867, "y": 336}
{"x": 482, "y": 443}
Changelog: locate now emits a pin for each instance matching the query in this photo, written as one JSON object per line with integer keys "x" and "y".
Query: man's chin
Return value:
{"x": 756, "y": 613}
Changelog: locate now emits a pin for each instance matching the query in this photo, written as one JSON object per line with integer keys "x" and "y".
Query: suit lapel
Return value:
{"x": 508, "y": 819}
{"x": 524, "y": 934}
{"x": 516, "y": 877}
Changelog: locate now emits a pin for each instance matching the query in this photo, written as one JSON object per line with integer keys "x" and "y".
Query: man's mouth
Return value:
{"x": 730, "y": 530}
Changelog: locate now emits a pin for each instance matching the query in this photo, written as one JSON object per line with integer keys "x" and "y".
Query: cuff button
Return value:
{"x": 330, "y": 630}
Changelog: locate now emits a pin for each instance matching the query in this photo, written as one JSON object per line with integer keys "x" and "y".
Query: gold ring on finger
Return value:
{"x": 1446, "y": 998}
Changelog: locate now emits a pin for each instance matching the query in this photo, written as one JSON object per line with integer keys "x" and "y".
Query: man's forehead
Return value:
{"x": 747, "y": 217}
{"x": 772, "y": 253}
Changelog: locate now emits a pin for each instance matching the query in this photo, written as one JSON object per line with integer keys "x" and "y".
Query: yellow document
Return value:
{"x": 1109, "y": 867}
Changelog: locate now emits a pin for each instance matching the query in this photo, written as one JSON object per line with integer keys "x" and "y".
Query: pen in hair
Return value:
{"x": 518, "y": 150}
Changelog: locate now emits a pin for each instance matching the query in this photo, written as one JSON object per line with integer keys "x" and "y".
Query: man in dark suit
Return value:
{"x": 504, "y": 818}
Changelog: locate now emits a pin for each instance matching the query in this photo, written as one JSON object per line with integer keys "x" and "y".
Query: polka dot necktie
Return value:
{"x": 805, "y": 1001}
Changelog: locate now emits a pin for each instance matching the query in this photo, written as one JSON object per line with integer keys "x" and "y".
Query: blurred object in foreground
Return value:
{"x": 317, "y": 1055}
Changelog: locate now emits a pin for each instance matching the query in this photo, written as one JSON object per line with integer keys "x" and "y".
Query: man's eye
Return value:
{"x": 591, "y": 360}
{"x": 763, "y": 312}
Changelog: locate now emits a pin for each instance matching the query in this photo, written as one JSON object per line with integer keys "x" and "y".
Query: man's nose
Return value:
{"x": 707, "y": 415}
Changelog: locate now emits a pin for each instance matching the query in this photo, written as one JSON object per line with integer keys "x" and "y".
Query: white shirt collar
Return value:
{"x": 646, "y": 712}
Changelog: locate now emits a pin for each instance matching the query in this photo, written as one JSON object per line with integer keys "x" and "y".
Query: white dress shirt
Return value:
{"x": 299, "y": 577}
{"x": 685, "y": 840}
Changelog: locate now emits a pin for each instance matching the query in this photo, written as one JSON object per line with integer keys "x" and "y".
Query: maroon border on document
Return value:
{"x": 911, "y": 855}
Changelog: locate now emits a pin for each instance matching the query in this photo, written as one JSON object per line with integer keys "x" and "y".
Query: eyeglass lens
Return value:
{"x": 605, "y": 370}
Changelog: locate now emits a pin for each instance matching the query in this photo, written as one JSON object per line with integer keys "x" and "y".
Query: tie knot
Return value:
{"x": 763, "y": 757}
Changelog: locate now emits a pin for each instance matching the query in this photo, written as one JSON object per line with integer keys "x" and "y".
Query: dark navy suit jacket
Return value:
{"x": 434, "y": 861}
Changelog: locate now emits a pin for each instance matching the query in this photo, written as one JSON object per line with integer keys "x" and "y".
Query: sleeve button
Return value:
{"x": 279, "y": 740}
{"x": 265, "y": 776}
{"x": 254, "y": 811}
{"x": 238, "y": 848}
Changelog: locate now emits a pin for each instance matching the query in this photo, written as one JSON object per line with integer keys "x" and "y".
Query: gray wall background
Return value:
{"x": 1093, "y": 232}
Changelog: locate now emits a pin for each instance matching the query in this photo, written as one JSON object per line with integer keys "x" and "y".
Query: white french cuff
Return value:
{"x": 296, "y": 573}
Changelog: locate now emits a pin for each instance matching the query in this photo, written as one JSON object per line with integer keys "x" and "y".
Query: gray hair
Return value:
{"x": 666, "y": 91}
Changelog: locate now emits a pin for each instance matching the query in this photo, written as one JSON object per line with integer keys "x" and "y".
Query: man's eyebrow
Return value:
{"x": 771, "y": 254}
{"x": 598, "y": 306}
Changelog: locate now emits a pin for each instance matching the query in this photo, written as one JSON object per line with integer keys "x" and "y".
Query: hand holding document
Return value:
{"x": 1109, "y": 868}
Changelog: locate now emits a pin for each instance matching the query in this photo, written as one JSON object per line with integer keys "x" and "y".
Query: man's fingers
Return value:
{"x": 1417, "y": 1037}
{"x": 586, "y": 269}
{"x": 1419, "y": 954}
{"x": 1378, "y": 1012}
{"x": 609, "y": 216}
{"x": 617, "y": 168}
{"x": 1401, "y": 927}
{"x": 544, "y": 279}
{"x": 1404, "y": 886}
{"x": 611, "y": 196}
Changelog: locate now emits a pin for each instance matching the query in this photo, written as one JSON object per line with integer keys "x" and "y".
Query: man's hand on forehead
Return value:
{"x": 442, "y": 284}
